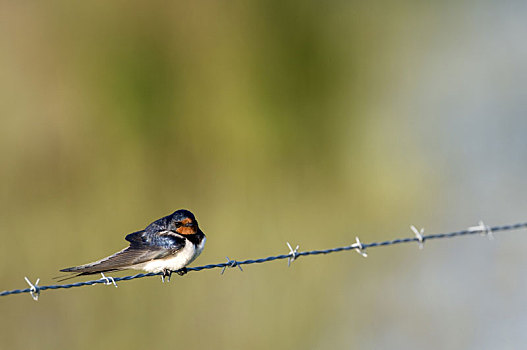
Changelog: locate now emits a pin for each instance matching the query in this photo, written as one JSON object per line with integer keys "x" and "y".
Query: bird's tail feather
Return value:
{"x": 113, "y": 262}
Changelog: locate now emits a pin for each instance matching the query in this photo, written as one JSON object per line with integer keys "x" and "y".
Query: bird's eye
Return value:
{"x": 178, "y": 224}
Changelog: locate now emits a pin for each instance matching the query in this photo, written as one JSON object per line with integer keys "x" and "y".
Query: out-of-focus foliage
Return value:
{"x": 308, "y": 122}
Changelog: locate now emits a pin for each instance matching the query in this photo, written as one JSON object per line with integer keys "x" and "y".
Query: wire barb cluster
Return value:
{"x": 419, "y": 235}
{"x": 34, "y": 289}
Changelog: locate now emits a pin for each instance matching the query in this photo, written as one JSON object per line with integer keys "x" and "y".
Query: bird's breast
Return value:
{"x": 180, "y": 259}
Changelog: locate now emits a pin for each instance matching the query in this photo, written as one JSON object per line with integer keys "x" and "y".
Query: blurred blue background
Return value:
{"x": 272, "y": 121}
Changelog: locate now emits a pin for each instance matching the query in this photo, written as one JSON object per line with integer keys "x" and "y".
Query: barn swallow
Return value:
{"x": 166, "y": 245}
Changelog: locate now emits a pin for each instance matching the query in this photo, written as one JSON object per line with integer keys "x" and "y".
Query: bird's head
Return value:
{"x": 183, "y": 222}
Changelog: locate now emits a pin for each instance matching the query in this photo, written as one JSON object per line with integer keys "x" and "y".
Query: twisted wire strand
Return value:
{"x": 481, "y": 229}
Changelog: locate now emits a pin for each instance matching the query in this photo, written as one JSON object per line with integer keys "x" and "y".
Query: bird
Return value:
{"x": 166, "y": 245}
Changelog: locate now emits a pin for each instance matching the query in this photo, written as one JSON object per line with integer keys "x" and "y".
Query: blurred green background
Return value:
{"x": 308, "y": 122}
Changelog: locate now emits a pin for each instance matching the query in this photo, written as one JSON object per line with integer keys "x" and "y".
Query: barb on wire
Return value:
{"x": 359, "y": 247}
{"x": 292, "y": 254}
{"x": 108, "y": 280}
{"x": 419, "y": 235}
{"x": 231, "y": 263}
{"x": 34, "y": 289}
{"x": 484, "y": 229}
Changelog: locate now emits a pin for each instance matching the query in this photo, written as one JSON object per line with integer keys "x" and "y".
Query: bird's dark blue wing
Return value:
{"x": 152, "y": 240}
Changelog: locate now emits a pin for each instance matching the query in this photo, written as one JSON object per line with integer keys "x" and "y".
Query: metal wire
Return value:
{"x": 35, "y": 289}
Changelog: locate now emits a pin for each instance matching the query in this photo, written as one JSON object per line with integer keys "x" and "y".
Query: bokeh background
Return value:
{"x": 274, "y": 121}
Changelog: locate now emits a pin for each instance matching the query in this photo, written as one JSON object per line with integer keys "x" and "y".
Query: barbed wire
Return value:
{"x": 34, "y": 289}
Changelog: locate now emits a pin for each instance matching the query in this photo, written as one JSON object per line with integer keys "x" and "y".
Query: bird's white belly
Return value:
{"x": 181, "y": 259}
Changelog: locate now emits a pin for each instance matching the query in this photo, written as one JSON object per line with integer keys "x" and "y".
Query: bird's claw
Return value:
{"x": 166, "y": 273}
